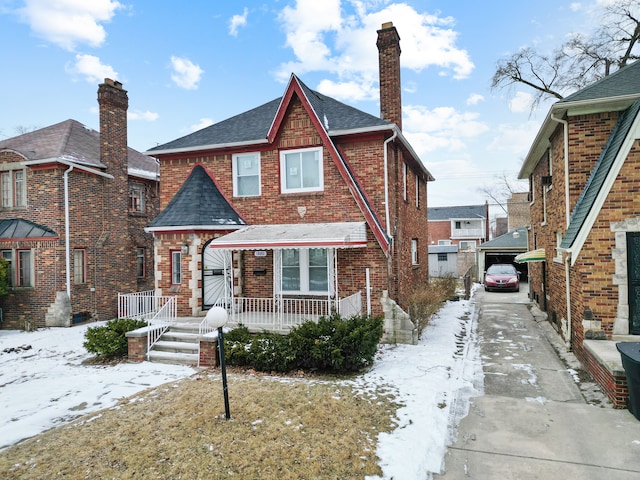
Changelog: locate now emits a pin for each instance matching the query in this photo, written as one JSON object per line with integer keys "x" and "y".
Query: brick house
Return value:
{"x": 583, "y": 180}
{"x": 301, "y": 199}
{"x": 462, "y": 226}
{"x": 74, "y": 206}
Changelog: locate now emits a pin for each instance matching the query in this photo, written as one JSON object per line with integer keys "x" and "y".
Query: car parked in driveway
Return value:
{"x": 502, "y": 276}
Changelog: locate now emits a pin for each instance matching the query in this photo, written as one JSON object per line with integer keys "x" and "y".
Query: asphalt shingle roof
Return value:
{"x": 253, "y": 125}
{"x": 457, "y": 212}
{"x": 625, "y": 81}
{"x": 599, "y": 174}
{"x": 509, "y": 240}
{"x": 72, "y": 141}
{"x": 198, "y": 203}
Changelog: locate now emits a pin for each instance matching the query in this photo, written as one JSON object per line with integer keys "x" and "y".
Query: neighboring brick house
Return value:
{"x": 74, "y": 206}
{"x": 585, "y": 212}
{"x": 464, "y": 226}
{"x": 303, "y": 197}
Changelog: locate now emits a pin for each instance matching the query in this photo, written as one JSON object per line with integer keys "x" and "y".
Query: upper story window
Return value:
{"x": 414, "y": 251}
{"x": 404, "y": 181}
{"x": 246, "y": 175}
{"x": 301, "y": 170}
{"x": 417, "y": 191}
{"x": 136, "y": 198}
{"x": 13, "y": 189}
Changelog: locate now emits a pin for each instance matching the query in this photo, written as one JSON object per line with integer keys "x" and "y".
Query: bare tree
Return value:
{"x": 501, "y": 190}
{"x": 578, "y": 62}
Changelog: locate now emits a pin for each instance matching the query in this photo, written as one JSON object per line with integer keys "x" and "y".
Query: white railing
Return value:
{"x": 161, "y": 321}
{"x": 277, "y": 314}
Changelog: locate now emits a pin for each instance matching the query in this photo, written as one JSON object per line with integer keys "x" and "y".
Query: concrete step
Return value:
{"x": 173, "y": 358}
{"x": 185, "y": 327}
{"x": 174, "y": 336}
{"x": 177, "y": 347}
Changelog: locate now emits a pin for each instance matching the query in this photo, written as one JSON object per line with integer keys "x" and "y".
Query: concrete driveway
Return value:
{"x": 540, "y": 417}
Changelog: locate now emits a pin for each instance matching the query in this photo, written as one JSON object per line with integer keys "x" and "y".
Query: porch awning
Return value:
{"x": 298, "y": 235}
{"x": 537, "y": 255}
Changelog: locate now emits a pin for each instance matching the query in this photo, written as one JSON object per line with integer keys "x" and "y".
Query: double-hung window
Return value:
{"x": 301, "y": 170}
{"x": 246, "y": 175}
{"x": 141, "y": 262}
{"x": 24, "y": 269}
{"x": 13, "y": 189}
{"x": 305, "y": 270}
{"x": 136, "y": 198}
{"x": 414, "y": 251}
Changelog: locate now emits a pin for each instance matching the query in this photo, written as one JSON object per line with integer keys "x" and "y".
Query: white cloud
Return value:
{"x": 474, "y": 99}
{"x": 185, "y": 74}
{"x": 140, "y": 115}
{"x": 237, "y": 21}
{"x": 203, "y": 123}
{"x": 575, "y": 6}
{"x": 92, "y": 69}
{"x": 515, "y": 139}
{"x": 69, "y": 23}
{"x": 351, "y": 90}
{"x": 521, "y": 102}
{"x": 324, "y": 39}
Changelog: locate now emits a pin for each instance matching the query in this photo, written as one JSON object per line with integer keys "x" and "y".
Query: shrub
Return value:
{"x": 110, "y": 341}
{"x": 427, "y": 299}
{"x": 333, "y": 344}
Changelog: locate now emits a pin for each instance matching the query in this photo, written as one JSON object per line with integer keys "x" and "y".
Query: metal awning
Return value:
{"x": 298, "y": 235}
{"x": 537, "y": 255}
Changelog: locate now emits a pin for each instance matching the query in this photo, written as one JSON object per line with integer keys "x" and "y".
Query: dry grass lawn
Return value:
{"x": 281, "y": 428}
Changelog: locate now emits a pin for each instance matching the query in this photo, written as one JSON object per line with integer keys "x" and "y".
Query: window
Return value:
{"x": 246, "y": 175}
{"x": 301, "y": 170}
{"x": 305, "y": 271}
{"x": 13, "y": 186}
{"x": 136, "y": 198}
{"x": 458, "y": 225}
{"x": 79, "y": 257}
{"x": 8, "y": 256}
{"x": 468, "y": 246}
{"x": 442, "y": 257}
{"x": 417, "y": 191}
{"x": 176, "y": 267}
{"x": 141, "y": 262}
{"x": 444, "y": 242}
{"x": 404, "y": 181}
{"x": 24, "y": 268}
{"x": 414, "y": 251}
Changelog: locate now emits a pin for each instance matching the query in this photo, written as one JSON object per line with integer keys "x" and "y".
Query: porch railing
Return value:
{"x": 278, "y": 314}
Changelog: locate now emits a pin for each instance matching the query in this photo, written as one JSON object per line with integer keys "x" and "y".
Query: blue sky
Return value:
{"x": 192, "y": 63}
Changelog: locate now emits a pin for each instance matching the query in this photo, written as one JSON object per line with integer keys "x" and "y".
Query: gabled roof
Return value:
{"x": 460, "y": 212}
{"x": 254, "y": 125}
{"x": 613, "y": 93}
{"x": 197, "y": 205}
{"x": 612, "y": 155}
{"x": 70, "y": 141}
{"x": 21, "y": 229}
{"x": 514, "y": 240}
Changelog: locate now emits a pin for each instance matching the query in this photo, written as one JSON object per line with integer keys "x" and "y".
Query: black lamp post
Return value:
{"x": 217, "y": 317}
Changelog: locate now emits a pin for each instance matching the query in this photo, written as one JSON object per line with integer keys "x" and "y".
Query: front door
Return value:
{"x": 217, "y": 276}
{"x": 633, "y": 271}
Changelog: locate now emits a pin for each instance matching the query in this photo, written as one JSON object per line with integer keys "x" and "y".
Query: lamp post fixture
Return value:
{"x": 217, "y": 317}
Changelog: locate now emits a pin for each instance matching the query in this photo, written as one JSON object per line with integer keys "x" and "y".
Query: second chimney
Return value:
{"x": 389, "y": 61}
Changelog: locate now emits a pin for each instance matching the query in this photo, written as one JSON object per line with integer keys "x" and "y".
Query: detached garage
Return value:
{"x": 503, "y": 249}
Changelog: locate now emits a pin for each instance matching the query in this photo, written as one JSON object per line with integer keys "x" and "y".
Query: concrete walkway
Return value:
{"x": 534, "y": 420}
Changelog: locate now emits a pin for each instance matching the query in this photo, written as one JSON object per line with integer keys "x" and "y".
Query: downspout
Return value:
{"x": 386, "y": 182}
{"x": 567, "y": 260}
{"x": 66, "y": 229}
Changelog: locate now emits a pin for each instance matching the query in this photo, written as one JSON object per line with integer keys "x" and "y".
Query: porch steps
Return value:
{"x": 178, "y": 345}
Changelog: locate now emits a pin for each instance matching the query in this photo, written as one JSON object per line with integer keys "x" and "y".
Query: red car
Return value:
{"x": 502, "y": 276}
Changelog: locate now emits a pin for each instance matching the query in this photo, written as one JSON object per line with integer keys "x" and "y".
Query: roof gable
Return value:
{"x": 602, "y": 172}
{"x": 198, "y": 204}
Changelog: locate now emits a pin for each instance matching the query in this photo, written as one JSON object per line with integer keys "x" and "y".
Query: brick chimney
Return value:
{"x": 389, "y": 60}
{"x": 113, "y": 102}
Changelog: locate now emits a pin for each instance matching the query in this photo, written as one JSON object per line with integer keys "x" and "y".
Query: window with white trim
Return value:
{"x": 305, "y": 270}
{"x": 176, "y": 267}
{"x": 404, "y": 181}
{"x": 301, "y": 170}
{"x": 467, "y": 246}
{"x": 79, "y": 270}
{"x": 136, "y": 198}
{"x": 444, "y": 242}
{"x": 246, "y": 175}
{"x": 417, "y": 191}
{"x": 414, "y": 251}
{"x": 13, "y": 189}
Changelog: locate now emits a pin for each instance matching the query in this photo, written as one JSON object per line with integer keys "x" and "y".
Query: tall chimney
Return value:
{"x": 113, "y": 102}
{"x": 389, "y": 60}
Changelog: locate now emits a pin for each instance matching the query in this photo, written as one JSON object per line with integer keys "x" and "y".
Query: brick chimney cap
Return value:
{"x": 387, "y": 25}
{"x": 113, "y": 83}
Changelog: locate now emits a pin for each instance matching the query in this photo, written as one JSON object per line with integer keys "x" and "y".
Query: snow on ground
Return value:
{"x": 47, "y": 385}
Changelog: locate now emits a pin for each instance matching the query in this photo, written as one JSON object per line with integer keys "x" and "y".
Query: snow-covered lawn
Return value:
{"x": 46, "y": 384}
